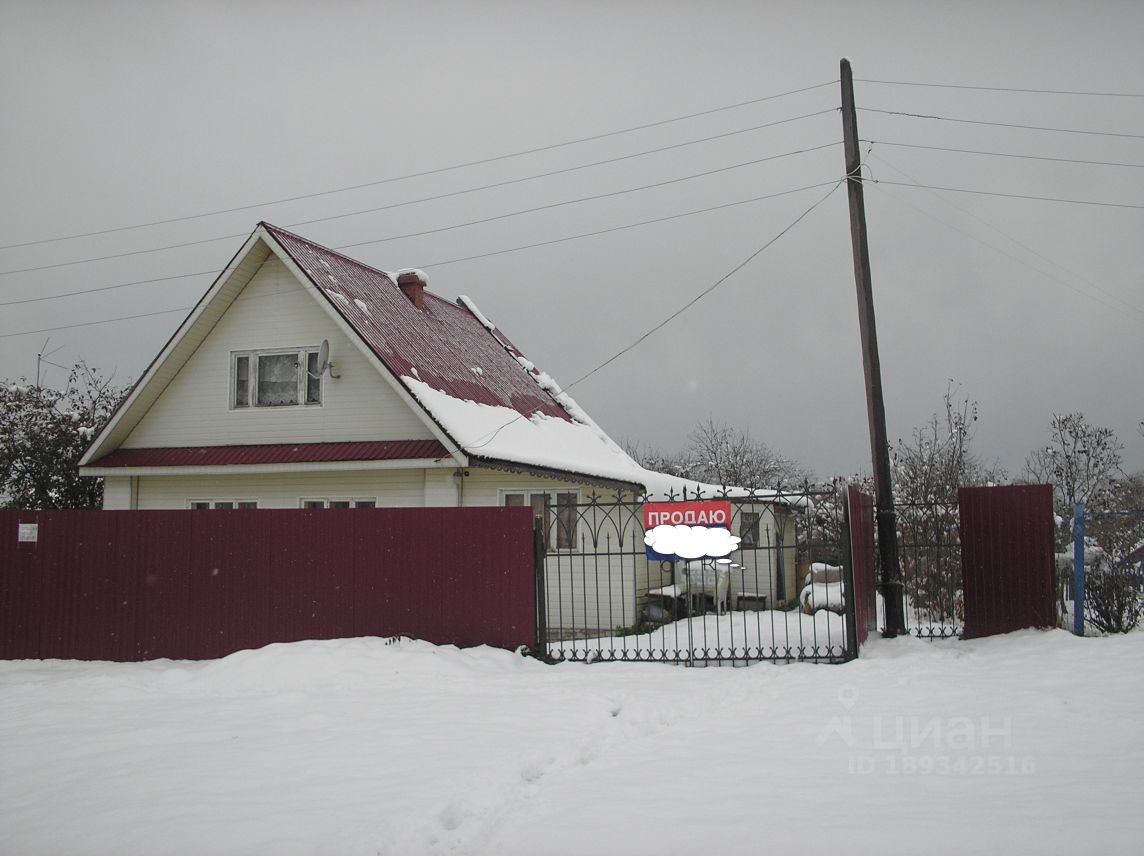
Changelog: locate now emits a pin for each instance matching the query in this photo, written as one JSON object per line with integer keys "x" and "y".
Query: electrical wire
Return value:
{"x": 92, "y": 323}
{"x": 709, "y": 289}
{"x": 108, "y": 287}
{"x": 1004, "y": 154}
{"x": 625, "y": 226}
{"x": 434, "y": 264}
{"x": 443, "y": 263}
{"x": 835, "y": 185}
{"x": 1008, "y": 255}
{"x": 591, "y": 198}
{"x": 1002, "y": 124}
{"x": 1008, "y": 237}
{"x": 1007, "y": 195}
{"x": 427, "y": 172}
{"x": 532, "y": 210}
{"x": 1000, "y": 88}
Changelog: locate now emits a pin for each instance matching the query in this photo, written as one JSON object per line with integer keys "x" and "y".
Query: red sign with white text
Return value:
{"x": 707, "y": 513}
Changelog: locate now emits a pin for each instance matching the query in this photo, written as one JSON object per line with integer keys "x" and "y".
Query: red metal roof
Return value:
{"x": 441, "y": 344}
{"x": 284, "y": 453}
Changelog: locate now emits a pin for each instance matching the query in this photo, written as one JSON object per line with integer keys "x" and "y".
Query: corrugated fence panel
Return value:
{"x": 21, "y": 603}
{"x": 865, "y": 567}
{"x": 1007, "y": 558}
{"x": 133, "y": 585}
{"x": 164, "y": 629}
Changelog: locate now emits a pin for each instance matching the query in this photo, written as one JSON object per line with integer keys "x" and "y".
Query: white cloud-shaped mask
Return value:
{"x": 691, "y": 542}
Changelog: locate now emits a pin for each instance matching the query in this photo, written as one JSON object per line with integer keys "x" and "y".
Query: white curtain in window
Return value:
{"x": 278, "y": 379}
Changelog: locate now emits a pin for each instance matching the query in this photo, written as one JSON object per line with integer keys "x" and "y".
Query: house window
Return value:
{"x": 556, "y": 510}
{"x": 204, "y": 504}
{"x": 749, "y": 529}
{"x": 338, "y": 502}
{"x": 278, "y": 378}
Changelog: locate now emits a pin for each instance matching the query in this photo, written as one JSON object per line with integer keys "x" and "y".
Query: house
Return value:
{"x": 306, "y": 379}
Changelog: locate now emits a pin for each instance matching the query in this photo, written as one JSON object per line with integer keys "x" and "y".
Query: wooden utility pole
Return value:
{"x": 891, "y": 572}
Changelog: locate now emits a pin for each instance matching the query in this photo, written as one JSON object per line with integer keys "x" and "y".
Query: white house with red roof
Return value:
{"x": 305, "y": 379}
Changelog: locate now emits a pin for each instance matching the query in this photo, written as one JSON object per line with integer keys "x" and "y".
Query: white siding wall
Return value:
{"x": 283, "y": 490}
{"x": 275, "y": 311}
{"x": 116, "y": 494}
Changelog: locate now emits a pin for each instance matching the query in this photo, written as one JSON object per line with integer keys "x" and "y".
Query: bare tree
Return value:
{"x": 939, "y": 458}
{"x": 719, "y": 454}
{"x": 722, "y": 455}
{"x": 1080, "y": 462}
{"x": 927, "y": 471}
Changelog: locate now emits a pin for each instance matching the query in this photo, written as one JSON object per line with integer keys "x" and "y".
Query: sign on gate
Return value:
{"x": 667, "y": 523}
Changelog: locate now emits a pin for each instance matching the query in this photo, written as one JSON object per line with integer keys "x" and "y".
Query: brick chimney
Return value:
{"x": 412, "y": 284}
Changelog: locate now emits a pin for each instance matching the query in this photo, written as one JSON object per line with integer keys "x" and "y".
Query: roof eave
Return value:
{"x": 555, "y": 473}
{"x": 97, "y": 471}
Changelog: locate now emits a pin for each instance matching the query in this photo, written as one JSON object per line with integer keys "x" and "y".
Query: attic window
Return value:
{"x": 275, "y": 378}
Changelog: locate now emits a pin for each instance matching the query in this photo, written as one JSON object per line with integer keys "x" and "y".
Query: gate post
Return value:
{"x": 850, "y": 596}
{"x": 538, "y": 554}
{"x": 1078, "y": 570}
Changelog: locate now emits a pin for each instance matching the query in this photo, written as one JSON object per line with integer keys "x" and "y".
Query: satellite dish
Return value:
{"x": 323, "y": 361}
{"x": 323, "y": 356}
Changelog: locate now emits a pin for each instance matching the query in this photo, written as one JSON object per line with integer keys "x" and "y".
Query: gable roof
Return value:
{"x": 463, "y": 372}
{"x": 438, "y": 356}
{"x": 476, "y": 392}
{"x": 441, "y": 344}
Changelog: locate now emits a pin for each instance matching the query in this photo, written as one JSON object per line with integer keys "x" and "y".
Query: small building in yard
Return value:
{"x": 305, "y": 379}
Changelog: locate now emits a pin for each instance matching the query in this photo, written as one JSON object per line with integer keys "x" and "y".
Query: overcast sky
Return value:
{"x": 117, "y": 114}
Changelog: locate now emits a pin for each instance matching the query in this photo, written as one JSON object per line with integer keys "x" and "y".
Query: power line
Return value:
{"x": 562, "y": 170}
{"x": 1009, "y": 255}
{"x": 1008, "y": 195}
{"x": 143, "y": 315}
{"x": 427, "y": 172}
{"x": 625, "y": 226}
{"x": 1002, "y": 124}
{"x": 108, "y": 287}
{"x": 93, "y": 323}
{"x": 435, "y": 230}
{"x": 662, "y": 219}
{"x": 591, "y": 198}
{"x": 709, "y": 289}
{"x": 1004, "y": 154}
{"x": 1008, "y": 237}
{"x": 1002, "y": 88}
{"x": 836, "y": 184}
{"x": 433, "y": 264}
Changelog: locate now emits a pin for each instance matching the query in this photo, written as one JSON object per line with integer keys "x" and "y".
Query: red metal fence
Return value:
{"x": 860, "y": 513}
{"x": 1007, "y": 558}
{"x": 139, "y": 585}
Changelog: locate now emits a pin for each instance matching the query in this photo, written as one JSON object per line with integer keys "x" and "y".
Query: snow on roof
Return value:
{"x": 443, "y": 340}
{"x": 509, "y": 410}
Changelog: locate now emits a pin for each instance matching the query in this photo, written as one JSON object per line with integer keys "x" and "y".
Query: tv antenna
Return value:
{"x": 42, "y": 357}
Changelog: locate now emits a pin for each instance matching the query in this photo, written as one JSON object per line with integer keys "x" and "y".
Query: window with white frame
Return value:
{"x": 204, "y": 504}
{"x": 275, "y": 378}
{"x": 555, "y": 509}
{"x": 338, "y": 502}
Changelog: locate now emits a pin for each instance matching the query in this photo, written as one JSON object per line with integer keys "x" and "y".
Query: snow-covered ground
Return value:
{"x": 1025, "y": 743}
{"x": 727, "y": 635}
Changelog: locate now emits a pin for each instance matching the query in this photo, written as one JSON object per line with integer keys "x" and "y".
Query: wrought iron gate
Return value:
{"x": 779, "y": 598}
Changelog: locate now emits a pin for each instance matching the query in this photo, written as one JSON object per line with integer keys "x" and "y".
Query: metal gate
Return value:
{"x": 779, "y": 598}
{"x": 1008, "y": 562}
